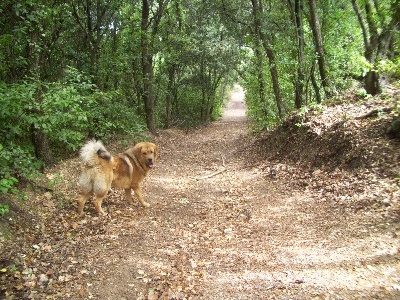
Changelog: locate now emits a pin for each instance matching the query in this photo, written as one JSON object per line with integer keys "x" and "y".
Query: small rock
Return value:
{"x": 43, "y": 278}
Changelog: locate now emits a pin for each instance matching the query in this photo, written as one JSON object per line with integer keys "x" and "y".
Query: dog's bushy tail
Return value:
{"x": 92, "y": 150}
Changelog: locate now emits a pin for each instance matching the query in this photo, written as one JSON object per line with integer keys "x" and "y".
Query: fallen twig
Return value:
{"x": 374, "y": 113}
{"x": 213, "y": 174}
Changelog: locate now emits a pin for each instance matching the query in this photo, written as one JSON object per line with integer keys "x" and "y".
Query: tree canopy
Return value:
{"x": 73, "y": 70}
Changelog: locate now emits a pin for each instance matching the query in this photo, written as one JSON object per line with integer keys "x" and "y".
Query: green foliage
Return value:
{"x": 4, "y": 209}
{"x": 262, "y": 112}
{"x": 362, "y": 93}
{"x": 261, "y": 107}
{"x": 7, "y": 183}
{"x": 193, "y": 63}
{"x": 57, "y": 179}
{"x": 304, "y": 110}
{"x": 342, "y": 40}
{"x": 389, "y": 68}
{"x": 15, "y": 162}
{"x": 386, "y": 67}
{"x": 67, "y": 112}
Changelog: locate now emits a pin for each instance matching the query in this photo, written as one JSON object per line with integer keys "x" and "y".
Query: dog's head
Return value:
{"x": 146, "y": 153}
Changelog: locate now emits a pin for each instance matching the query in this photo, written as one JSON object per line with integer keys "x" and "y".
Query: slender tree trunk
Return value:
{"x": 169, "y": 96}
{"x": 378, "y": 28}
{"x": 315, "y": 84}
{"x": 147, "y": 69}
{"x": 39, "y": 138}
{"x": 115, "y": 75}
{"x": 137, "y": 84}
{"x": 149, "y": 28}
{"x": 297, "y": 19}
{"x": 257, "y": 14}
{"x": 147, "y": 92}
{"x": 260, "y": 74}
{"x": 319, "y": 47}
{"x": 93, "y": 24}
{"x": 370, "y": 36}
{"x": 42, "y": 147}
{"x": 275, "y": 79}
{"x": 172, "y": 70}
{"x": 300, "y": 54}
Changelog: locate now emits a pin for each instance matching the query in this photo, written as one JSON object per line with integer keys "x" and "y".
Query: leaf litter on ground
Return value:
{"x": 307, "y": 210}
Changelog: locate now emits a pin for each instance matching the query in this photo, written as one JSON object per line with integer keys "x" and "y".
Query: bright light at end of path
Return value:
{"x": 235, "y": 110}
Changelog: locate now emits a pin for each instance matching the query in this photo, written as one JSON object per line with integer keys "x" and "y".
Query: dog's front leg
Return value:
{"x": 138, "y": 193}
{"x": 128, "y": 196}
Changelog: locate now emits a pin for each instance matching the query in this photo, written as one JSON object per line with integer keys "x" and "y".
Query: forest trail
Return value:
{"x": 220, "y": 227}
{"x": 224, "y": 223}
{"x": 236, "y": 108}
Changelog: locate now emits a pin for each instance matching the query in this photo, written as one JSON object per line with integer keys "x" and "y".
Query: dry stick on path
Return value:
{"x": 213, "y": 174}
{"x": 375, "y": 113}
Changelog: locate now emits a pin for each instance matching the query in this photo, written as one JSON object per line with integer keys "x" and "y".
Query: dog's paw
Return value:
{"x": 102, "y": 213}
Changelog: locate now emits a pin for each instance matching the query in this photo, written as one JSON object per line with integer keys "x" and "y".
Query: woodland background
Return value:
{"x": 73, "y": 70}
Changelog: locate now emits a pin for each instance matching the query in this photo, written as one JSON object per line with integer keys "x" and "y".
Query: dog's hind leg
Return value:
{"x": 81, "y": 202}
{"x": 98, "y": 201}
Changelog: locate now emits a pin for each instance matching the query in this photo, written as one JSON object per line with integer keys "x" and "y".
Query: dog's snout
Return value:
{"x": 149, "y": 162}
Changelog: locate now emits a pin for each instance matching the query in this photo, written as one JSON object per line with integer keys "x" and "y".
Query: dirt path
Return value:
{"x": 224, "y": 223}
{"x": 220, "y": 228}
{"x": 235, "y": 110}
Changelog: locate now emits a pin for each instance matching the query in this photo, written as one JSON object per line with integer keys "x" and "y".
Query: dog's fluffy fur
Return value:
{"x": 125, "y": 170}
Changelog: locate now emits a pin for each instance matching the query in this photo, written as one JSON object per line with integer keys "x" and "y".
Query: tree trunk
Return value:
{"x": 136, "y": 66}
{"x": 168, "y": 99}
{"x": 319, "y": 47}
{"x": 95, "y": 21}
{"x": 260, "y": 75}
{"x": 40, "y": 142}
{"x": 370, "y": 36}
{"x": 42, "y": 147}
{"x": 300, "y": 54}
{"x": 147, "y": 92}
{"x": 203, "y": 103}
{"x": 257, "y": 13}
{"x": 377, "y": 35}
{"x": 147, "y": 69}
{"x": 315, "y": 84}
{"x": 39, "y": 138}
{"x": 149, "y": 28}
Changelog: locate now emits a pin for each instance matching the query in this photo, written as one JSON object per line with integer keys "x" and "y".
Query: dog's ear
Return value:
{"x": 137, "y": 150}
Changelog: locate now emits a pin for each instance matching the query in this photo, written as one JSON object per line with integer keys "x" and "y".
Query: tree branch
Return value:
{"x": 213, "y": 174}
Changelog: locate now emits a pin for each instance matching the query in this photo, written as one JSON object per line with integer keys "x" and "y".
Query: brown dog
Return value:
{"x": 125, "y": 170}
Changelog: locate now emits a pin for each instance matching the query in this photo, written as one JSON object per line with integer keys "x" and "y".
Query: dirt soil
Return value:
{"x": 309, "y": 210}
